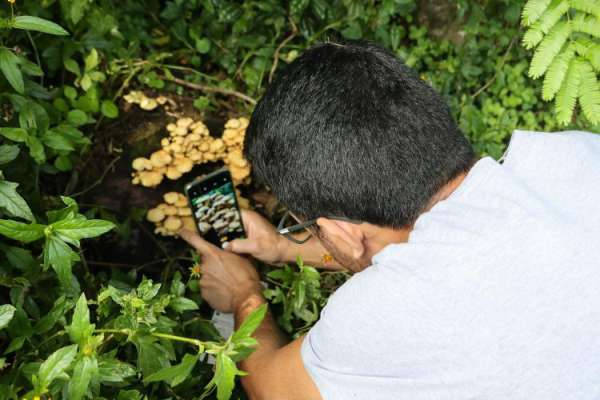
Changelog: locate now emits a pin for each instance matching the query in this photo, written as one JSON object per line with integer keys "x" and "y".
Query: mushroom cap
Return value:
{"x": 171, "y": 197}
{"x": 147, "y": 103}
{"x": 180, "y": 131}
{"x": 171, "y": 127}
{"x": 160, "y": 158}
{"x": 173, "y": 223}
{"x": 182, "y": 201}
{"x": 184, "y": 122}
{"x": 150, "y": 178}
{"x": 164, "y": 142}
{"x": 184, "y": 211}
{"x": 183, "y": 165}
{"x": 217, "y": 145}
{"x": 141, "y": 163}
{"x": 244, "y": 122}
{"x": 161, "y": 100}
{"x": 155, "y": 215}
{"x": 233, "y": 123}
{"x": 173, "y": 173}
{"x": 170, "y": 210}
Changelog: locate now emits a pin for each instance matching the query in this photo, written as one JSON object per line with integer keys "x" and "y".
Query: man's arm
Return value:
{"x": 230, "y": 284}
{"x": 275, "y": 369}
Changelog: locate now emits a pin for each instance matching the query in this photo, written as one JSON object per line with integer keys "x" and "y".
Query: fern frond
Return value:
{"x": 533, "y": 10}
{"x": 588, "y": 6}
{"x": 586, "y": 24}
{"x": 567, "y": 95}
{"x": 589, "y": 93}
{"x": 548, "y": 49}
{"x": 556, "y": 73}
{"x": 551, "y": 16}
{"x": 593, "y": 55}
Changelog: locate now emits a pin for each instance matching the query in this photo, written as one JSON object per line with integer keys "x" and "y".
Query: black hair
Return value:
{"x": 347, "y": 129}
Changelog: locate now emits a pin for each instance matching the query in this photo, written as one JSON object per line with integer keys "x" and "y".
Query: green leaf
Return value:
{"x": 586, "y": 24}
{"x": 30, "y": 68}
{"x": 72, "y": 66}
{"x": 15, "y": 134}
{"x": 593, "y": 55}
{"x": 55, "y": 140}
{"x": 548, "y": 49}
{"x": 77, "y": 117}
{"x": 533, "y": 10}
{"x": 590, "y": 7}
{"x": 297, "y": 7}
{"x": 152, "y": 356}
{"x": 31, "y": 23}
{"x": 589, "y": 93}
{"x": 60, "y": 256}
{"x": 181, "y": 304}
{"x": 250, "y": 324}
{"x": 556, "y": 74}
{"x": 91, "y": 60}
{"x": 81, "y": 329}
{"x": 9, "y": 65}
{"x": 12, "y": 202}
{"x": 7, "y": 311}
{"x": 175, "y": 374}
{"x": 114, "y": 371}
{"x": 568, "y": 92}
{"x": 84, "y": 371}
{"x": 224, "y": 378}
{"x": 58, "y": 311}
{"x": 109, "y": 109}
{"x": 36, "y": 149}
{"x": 536, "y": 33}
{"x": 8, "y": 152}
{"x": 203, "y": 45}
{"x": 20, "y": 231}
{"x": 72, "y": 230}
{"x": 55, "y": 365}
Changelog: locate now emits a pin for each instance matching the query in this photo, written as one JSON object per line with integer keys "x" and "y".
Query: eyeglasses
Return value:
{"x": 302, "y": 227}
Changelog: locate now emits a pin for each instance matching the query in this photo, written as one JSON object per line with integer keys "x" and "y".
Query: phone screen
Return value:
{"x": 215, "y": 209}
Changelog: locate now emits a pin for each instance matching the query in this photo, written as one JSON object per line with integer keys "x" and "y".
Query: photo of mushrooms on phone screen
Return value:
{"x": 217, "y": 211}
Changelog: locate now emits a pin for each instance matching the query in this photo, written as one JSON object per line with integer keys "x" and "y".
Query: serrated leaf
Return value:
{"x": 12, "y": 202}
{"x": 7, "y": 312}
{"x": 225, "y": 373}
{"x": 593, "y": 55}
{"x": 72, "y": 230}
{"x": 250, "y": 324}
{"x": 8, "y": 152}
{"x": 588, "y": 6}
{"x": 568, "y": 92}
{"x": 548, "y": 49}
{"x": 56, "y": 364}
{"x": 556, "y": 74}
{"x": 589, "y": 94}
{"x": 533, "y": 10}
{"x": 31, "y": 23}
{"x": 81, "y": 329}
{"x": 586, "y": 24}
{"x": 84, "y": 370}
{"x": 9, "y": 65}
{"x": 551, "y": 16}
{"x": 175, "y": 374}
{"x": 20, "y": 231}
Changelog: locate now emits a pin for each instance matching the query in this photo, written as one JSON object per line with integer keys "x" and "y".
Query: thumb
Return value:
{"x": 241, "y": 246}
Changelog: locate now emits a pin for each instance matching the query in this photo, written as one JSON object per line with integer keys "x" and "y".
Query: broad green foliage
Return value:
{"x": 566, "y": 36}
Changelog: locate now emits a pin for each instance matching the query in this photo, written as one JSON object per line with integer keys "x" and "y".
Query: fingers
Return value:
{"x": 241, "y": 246}
{"x": 197, "y": 242}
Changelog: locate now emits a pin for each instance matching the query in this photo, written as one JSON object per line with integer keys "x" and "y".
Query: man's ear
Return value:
{"x": 344, "y": 235}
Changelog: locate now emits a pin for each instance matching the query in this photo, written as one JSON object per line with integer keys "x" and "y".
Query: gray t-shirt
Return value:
{"x": 496, "y": 295}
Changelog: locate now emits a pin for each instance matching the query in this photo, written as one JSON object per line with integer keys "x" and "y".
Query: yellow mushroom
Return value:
{"x": 141, "y": 163}
{"x": 171, "y": 197}
{"x": 155, "y": 215}
{"x": 148, "y": 104}
{"x": 184, "y": 122}
{"x": 160, "y": 158}
{"x": 183, "y": 165}
{"x": 173, "y": 223}
{"x": 150, "y": 178}
{"x": 173, "y": 173}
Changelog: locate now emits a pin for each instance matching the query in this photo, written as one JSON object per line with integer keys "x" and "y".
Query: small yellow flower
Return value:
{"x": 196, "y": 271}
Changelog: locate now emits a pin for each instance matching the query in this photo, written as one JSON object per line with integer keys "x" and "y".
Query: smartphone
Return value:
{"x": 215, "y": 208}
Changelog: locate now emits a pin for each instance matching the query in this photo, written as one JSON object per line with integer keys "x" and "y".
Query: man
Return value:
{"x": 473, "y": 279}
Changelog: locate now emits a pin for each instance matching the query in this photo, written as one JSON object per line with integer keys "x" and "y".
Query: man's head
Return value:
{"x": 348, "y": 130}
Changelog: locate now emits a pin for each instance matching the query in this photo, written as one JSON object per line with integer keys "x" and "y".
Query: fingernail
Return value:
{"x": 225, "y": 245}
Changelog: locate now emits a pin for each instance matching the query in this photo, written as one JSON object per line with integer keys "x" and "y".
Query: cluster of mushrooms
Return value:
{"x": 190, "y": 143}
{"x": 145, "y": 102}
{"x": 172, "y": 215}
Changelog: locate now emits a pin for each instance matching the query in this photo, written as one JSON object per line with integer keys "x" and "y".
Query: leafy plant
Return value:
{"x": 565, "y": 34}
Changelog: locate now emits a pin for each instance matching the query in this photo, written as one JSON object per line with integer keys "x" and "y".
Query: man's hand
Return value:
{"x": 227, "y": 279}
{"x": 263, "y": 241}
